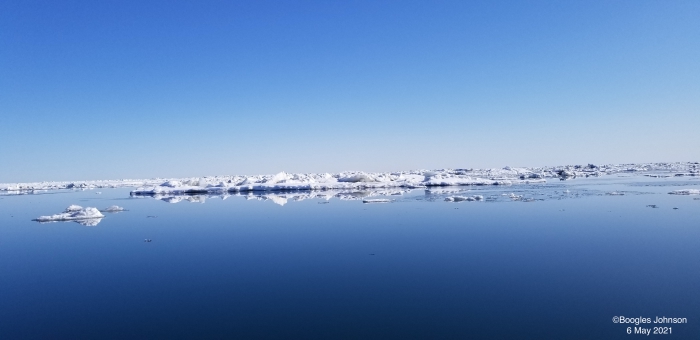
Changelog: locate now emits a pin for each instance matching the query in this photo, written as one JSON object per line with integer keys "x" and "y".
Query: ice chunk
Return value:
{"x": 685, "y": 192}
{"x": 172, "y": 184}
{"x": 114, "y": 208}
{"x": 376, "y": 200}
{"x": 73, "y": 207}
{"x": 73, "y": 212}
{"x": 464, "y": 198}
{"x": 280, "y": 177}
{"x": 513, "y": 196}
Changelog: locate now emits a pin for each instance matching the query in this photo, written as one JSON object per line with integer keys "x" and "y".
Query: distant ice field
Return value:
{"x": 357, "y": 180}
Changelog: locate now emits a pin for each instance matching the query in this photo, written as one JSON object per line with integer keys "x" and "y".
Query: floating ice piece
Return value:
{"x": 615, "y": 193}
{"x": 72, "y": 213}
{"x": 114, "y": 208}
{"x": 376, "y": 200}
{"x": 685, "y": 192}
{"x": 464, "y": 198}
{"x": 514, "y": 196}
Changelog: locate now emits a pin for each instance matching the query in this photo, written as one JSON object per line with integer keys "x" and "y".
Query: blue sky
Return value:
{"x": 133, "y": 89}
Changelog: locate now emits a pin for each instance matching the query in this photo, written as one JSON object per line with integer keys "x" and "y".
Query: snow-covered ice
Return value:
{"x": 358, "y": 180}
{"x": 72, "y": 213}
{"x": 114, "y": 208}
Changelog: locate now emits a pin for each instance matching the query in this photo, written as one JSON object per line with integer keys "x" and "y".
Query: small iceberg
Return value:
{"x": 73, "y": 213}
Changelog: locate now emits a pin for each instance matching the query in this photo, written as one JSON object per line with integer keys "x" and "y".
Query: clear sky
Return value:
{"x": 134, "y": 89}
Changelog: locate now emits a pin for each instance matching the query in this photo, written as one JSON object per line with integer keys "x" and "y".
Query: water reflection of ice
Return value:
{"x": 90, "y": 222}
{"x": 282, "y": 198}
{"x": 531, "y": 193}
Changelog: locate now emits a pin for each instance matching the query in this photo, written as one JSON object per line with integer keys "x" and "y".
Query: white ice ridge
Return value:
{"x": 354, "y": 180}
{"x": 72, "y": 213}
{"x": 685, "y": 192}
{"x": 324, "y": 182}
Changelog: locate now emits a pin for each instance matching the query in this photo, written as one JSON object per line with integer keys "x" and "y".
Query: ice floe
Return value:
{"x": 685, "y": 192}
{"x": 464, "y": 198}
{"x": 73, "y": 213}
{"x": 376, "y": 200}
{"x": 114, "y": 208}
{"x": 615, "y": 193}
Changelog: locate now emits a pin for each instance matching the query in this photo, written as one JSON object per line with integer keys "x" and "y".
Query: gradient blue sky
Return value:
{"x": 132, "y": 89}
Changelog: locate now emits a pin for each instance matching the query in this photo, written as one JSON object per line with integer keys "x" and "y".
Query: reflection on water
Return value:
{"x": 491, "y": 194}
{"x": 88, "y": 222}
{"x": 282, "y": 198}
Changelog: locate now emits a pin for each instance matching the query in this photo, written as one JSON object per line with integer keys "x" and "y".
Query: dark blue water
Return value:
{"x": 557, "y": 267}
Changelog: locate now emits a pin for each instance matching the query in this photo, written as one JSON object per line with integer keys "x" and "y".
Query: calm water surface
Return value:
{"x": 550, "y": 265}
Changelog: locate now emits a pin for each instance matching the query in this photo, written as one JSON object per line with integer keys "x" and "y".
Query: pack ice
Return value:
{"x": 358, "y": 180}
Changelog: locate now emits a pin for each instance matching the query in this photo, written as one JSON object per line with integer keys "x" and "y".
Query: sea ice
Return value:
{"x": 464, "y": 198}
{"x": 357, "y": 180}
{"x": 72, "y": 213}
{"x": 376, "y": 200}
{"x": 114, "y": 208}
{"x": 685, "y": 192}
